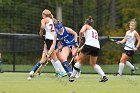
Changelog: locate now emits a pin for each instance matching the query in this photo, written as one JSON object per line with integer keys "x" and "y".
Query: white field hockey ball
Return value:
{"x": 29, "y": 78}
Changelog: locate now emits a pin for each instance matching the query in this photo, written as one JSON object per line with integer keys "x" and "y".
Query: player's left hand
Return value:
{"x": 41, "y": 34}
{"x": 48, "y": 56}
{"x": 135, "y": 49}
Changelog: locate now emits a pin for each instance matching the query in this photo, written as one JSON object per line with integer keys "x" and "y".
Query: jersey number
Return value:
{"x": 94, "y": 35}
{"x": 51, "y": 25}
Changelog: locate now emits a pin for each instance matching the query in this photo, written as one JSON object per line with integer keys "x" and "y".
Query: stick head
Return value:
{"x": 113, "y": 40}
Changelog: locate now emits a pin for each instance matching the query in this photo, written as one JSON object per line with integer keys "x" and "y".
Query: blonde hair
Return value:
{"x": 47, "y": 13}
{"x": 133, "y": 21}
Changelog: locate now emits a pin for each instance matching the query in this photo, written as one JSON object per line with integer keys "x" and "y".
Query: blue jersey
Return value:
{"x": 66, "y": 38}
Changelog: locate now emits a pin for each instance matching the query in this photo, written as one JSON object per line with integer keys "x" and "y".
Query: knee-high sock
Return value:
{"x": 55, "y": 66}
{"x": 36, "y": 66}
{"x": 99, "y": 70}
{"x": 59, "y": 65}
{"x": 66, "y": 67}
{"x": 129, "y": 65}
{"x": 76, "y": 69}
{"x": 121, "y": 67}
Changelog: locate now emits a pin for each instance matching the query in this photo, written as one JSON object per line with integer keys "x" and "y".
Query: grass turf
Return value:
{"x": 48, "y": 83}
{"x": 85, "y": 68}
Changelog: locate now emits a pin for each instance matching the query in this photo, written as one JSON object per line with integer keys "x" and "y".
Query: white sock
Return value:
{"x": 99, "y": 70}
{"x": 121, "y": 67}
{"x": 55, "y": 66}
{"x": 77, "y": 65}
{"x": 129, "y": 65}
{"x": 59, "y": 65}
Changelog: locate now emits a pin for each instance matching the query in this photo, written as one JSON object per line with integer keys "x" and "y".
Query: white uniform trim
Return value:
{"x": 49, "y": 28}
{"x": 131, "y": 39}
{"x": 91, "y": 38}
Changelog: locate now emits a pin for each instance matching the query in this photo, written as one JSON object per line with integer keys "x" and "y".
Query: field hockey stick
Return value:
{"x": 39, "y": 70}
{"x": 103, "y": 37}
{"x": 45, "y": 63}
{"x": 71, "y": 60}
{"x": 41, "y": 67}
{"x": 124, "y": 45}
{"x": 77, "y": 50}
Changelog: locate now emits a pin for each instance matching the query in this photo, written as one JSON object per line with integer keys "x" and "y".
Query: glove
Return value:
{"x": 76, "y": 44}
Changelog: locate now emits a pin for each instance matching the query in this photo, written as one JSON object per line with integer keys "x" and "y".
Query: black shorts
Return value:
{"x": 129, "y": 52}
{"x": 48, "y": 43}
{"x": 90, "y": 50}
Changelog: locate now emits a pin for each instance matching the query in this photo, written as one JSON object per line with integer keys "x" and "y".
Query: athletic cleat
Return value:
{"x": 117, "y": 74}
{"x": 57, "y": 74}
{"x": 78, "y": 74}
{"x": 63, "y": 74}
{"x": 71, "y": 79}
{"x": 104, "y": 79}
{"x": 31, "y": 74}
{"x": 69, "y": 74}
{"x": 60, "y": 74}
{"x": 134, "y": 70}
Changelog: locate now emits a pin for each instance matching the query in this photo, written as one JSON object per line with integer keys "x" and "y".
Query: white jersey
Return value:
{"x": 130, "y": 40}
{"x": 50, "y": 30}
{"x": 91, "y": 38}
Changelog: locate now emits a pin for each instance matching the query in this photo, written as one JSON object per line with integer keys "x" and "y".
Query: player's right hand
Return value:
{"x": 41, "y": 34}
{"x": 118, "y": 42}
{"x": 76, "y": 44}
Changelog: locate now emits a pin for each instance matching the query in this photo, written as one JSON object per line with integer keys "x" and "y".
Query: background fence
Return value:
{"x": 21, "y": 47}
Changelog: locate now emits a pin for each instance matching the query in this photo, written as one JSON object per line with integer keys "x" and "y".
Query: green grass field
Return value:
{"x": 48, "y": 83}
{"x": 112, "y": 68}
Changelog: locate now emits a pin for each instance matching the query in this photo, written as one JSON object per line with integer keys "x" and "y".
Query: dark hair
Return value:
{"x": 89, "y": 21}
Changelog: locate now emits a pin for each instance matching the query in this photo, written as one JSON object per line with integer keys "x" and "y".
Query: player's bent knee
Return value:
{"x": 92, "y": 64}
{"x": 123, "y": 61}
